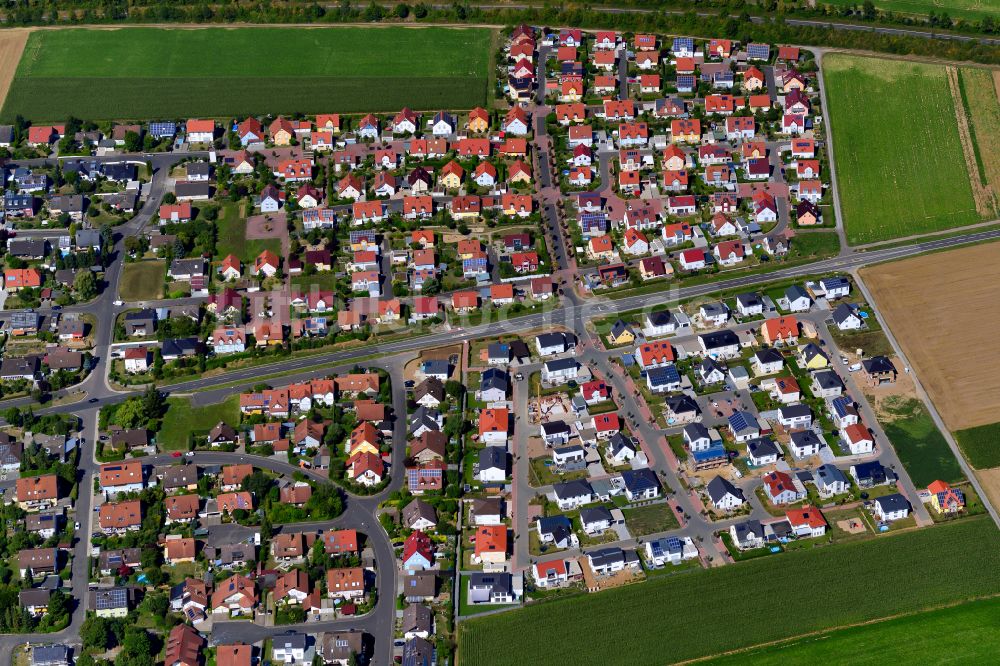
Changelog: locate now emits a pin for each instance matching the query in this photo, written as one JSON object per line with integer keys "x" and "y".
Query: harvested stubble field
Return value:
{"x": 938, "y": 308}
{"x": 676, "y": 618}
{"x": 144, "y": 73}
{"x": 900, "y": 164}
{"x": 12, "y": 43}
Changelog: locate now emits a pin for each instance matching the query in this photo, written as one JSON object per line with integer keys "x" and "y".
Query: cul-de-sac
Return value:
{"x": 497, "y": 335}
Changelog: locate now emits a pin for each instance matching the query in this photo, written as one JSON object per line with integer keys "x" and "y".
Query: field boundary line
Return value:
{"x": 812, "y": 634}
{"x": 930, "y": 235}
{"x": 980, "y": 194}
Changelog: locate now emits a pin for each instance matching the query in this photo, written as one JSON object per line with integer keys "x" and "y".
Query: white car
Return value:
{"x": 119, "y": 303}
{"x": 189, "y": 454}
{"x": 77, "y": 525}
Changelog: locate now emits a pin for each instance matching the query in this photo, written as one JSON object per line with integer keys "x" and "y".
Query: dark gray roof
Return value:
{"x": 878, "y": 364}
{"x": 606, "y": 556}
{"x": 493, "y": 457}
{"x": 842, "y": 312}
{"x": 192, "y": 189}
{"x": 719, "y": 487}
{"x": 794, "y": 411}
{"x": 750, "y": 299}
{"x": 828, "y": 379}
{"x": 769, "y": 355}
{"x": 640, "y": 480}
{"x": 695, "y": 431}
{"x": 49, "y": 655}
{"x": 572, "y": 489}
{"x": 762, "y": 446}
{"x": 893, "y": 502}
{"x": 660, "y": 318}
{"x": 795, "y": 292}
{"x": 717, "y": 339}
{"x": 550, "y": 339}
{"x": 417, "y": 652}
{"x": 595, "y": 514}
{"x": 493, "y": 378}
{"x": 560, "y": 364}
{"x": 555, "y": 427}
{"x": 803, "y": 438}
{"x": 682, "y": 404}
{"x": 290, "y": 641}
{"x": 417, "y": 617}
{"x": 418, "y": 509}
{"x": 829, "y": 474}
{"x": 747, "y": 527}
{"x": 618, "y": 442}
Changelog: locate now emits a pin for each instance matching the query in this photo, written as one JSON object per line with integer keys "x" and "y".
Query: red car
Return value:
{"x": 175, "y": 454}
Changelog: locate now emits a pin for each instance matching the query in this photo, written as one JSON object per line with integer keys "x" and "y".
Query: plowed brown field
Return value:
{"x": 941, "y": 309}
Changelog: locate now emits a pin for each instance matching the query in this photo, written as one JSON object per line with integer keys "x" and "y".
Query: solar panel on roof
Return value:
{"x": 759, "y": 51}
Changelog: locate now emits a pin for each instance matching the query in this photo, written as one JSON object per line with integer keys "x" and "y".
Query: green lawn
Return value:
{"x": 650, "y": 519}
{"x": 223, "y": 72}
{"x": 814, "y": 244}
{"x": 231, "y": 228}
{"x": 892, "y": 183}
{"x": 981, "y": 445}
{"x": 872, "y": 341}
{"x": 964, "y": 634}
{"x": 920, "y": 445}
{"x": 325, "y": 281}
{"x": 183, "y": 420}
{"x": 732, "y": 607}
{"x": 143, "y": 280}
{"x": 963, "y": 9}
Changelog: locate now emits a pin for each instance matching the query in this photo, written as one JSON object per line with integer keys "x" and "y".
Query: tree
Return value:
{"x": 96, "y": 633}
{"x": 131, "y": 414}
{"x": 154, "y": 403}
{"x": 374, "y": 13}
{"x": 85, "y": 285}
{"x": 402, "y": 10}
{"x": 258, "y": 484}
{"x": 455, "y": 389}
{"x": 155, "y": 605}
{"x": 133, "y": 143}
{"x": 430, "y": 287}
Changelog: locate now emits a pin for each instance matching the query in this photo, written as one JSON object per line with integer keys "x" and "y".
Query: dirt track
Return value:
{"x": 12, "y": 43}
{"x": 940, "y": 307}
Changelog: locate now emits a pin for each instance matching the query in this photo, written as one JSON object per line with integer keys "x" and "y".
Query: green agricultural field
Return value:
{"x": 676, "y": 618}
{"x": 963, "y": 9}
{"x": 981, "y": 445}
{"x": 966, "y": 634}
{"x": 920, "y": 445}
{"x": 900, "y": 167}
{"x": 222, "y": 72}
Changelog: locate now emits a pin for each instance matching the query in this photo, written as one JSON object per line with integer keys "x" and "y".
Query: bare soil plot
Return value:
{"x": 939, "y": 308}
{"x": 12, "y": 43}
{"x": 990, "y": 480}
